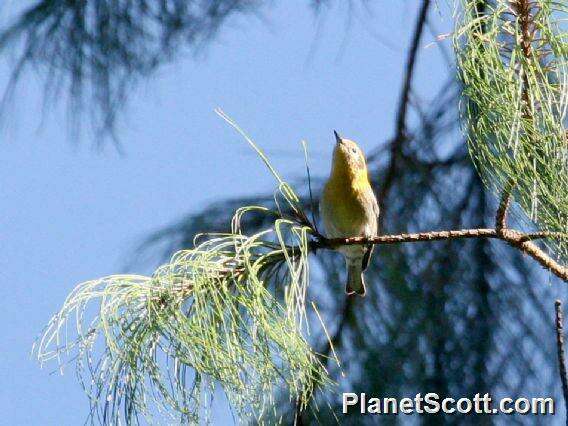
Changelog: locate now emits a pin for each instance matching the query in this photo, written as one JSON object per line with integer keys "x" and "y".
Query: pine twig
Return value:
{"x": 504, "y": 204}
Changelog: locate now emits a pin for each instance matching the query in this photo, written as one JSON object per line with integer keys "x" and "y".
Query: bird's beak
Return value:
{"x": 337, "y": 137}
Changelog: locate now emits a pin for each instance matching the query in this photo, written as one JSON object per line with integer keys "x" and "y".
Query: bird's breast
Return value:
{"x": 343, "y": 210}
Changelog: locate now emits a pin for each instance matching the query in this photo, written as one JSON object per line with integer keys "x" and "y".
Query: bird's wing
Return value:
{"x": 373, "y": 213}
{"x": 367, "y": 256}
{"x": 376, "y": 209}
{"x": 373, "y": 228}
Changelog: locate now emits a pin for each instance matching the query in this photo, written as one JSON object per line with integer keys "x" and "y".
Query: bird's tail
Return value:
{"x": 355, "y": 280}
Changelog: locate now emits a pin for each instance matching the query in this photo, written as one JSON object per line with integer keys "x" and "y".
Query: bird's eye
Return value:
{"x": 354, "y": 150}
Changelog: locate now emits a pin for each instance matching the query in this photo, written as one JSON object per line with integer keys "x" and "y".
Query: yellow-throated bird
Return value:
{"x": 349, "y": 208}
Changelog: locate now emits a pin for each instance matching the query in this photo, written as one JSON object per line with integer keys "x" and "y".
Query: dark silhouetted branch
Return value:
{"x": 561, "y": 353}
{"x": 402, "y": 111}
{"x": 410, "y": 68}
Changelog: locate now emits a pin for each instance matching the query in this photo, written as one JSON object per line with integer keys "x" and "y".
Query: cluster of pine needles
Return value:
{"x": 512, "y": 58}
{"x": 163, "y": 344}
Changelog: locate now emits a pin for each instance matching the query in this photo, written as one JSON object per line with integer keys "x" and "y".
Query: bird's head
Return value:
{"x": 348, "y": 158}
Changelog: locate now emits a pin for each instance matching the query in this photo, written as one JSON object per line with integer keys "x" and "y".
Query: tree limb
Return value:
{"x": 517, "y": 239}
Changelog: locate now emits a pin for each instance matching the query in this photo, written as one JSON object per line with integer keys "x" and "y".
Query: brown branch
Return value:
{"x": 413, "y": 238}
{"x": 516, "y": 239}
{"x": 543, "y": 235}
{"x": 561, "y": 353}
{"x": 501, "y": 217}
{"x": 536, "y": 253}
{"x": 523, "y": 11}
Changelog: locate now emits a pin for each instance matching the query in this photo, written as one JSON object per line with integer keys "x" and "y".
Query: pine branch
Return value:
{"x": 515, "y": 113}
{"x": 517, "y": 239}
{"x": 506, "y": 198}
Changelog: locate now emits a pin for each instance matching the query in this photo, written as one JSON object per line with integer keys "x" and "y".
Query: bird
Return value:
{"x": 349, "y": 208}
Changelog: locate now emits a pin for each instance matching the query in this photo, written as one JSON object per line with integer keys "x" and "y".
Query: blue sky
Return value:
{"x": 72, "y": 213}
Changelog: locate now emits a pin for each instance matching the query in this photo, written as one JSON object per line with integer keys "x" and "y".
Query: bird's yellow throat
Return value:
{"x": 347, "y": 176}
